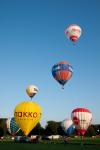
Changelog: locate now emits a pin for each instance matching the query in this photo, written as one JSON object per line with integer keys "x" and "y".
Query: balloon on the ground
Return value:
{"x": 12, "y": 126}
{"x": 68, "y": 126}
{"x": 73, "y": 32}
{"x": 62, "y": 72}
{"x": 82, "y": 119}
{"x": 31, "y": 90}
{"x": 27, "y": 115}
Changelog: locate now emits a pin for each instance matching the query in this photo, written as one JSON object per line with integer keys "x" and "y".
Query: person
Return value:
{"x": 65, "y": 140}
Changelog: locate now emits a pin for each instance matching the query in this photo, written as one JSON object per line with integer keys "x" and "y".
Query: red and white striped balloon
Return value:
{"x": 82, "y": 119}
{"x": 73, "y": 32}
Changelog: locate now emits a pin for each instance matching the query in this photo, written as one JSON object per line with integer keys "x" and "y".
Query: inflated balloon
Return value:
{"x": 82, "y": 119}
{"x": 27, "y": 115}
{"x": 31, "y": 90}
{"x": 73, "y": 32}
{"x": 68, "y": 126}
{"x": 62, "y": 72}
{"x": 12, "y": 126}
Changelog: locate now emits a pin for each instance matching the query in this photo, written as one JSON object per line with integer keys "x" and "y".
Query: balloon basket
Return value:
{"x": 62, "y": 87}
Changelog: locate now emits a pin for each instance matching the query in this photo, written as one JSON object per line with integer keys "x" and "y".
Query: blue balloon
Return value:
{"x": 70, "y": 130}
{"x": 12, "y": 126}
{"x": 68, "y": 126}
{"x": 62, "y": 72}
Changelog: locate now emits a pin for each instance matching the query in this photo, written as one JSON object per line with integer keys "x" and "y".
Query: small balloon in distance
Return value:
{"x": 32, "y": 90}
{"x": 73, "y": 32}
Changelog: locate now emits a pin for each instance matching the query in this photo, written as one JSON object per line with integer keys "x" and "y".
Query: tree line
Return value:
{"x": 52, "y": 128}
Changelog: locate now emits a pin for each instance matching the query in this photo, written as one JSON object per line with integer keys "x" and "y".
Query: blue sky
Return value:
{"x": 32, "y": 40}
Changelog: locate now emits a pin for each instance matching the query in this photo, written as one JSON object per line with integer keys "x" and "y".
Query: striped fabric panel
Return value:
{"x": 13, "y": 126}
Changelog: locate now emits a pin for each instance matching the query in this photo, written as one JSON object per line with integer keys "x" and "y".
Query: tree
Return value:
{"x": 3, "y": 128}
{"x": 90, "y": 131}
{"x": 52, "y": 128}
{"x": 38, "y": 130}
{"x": 97, "y": 129}
{"x": 60, "y": 130}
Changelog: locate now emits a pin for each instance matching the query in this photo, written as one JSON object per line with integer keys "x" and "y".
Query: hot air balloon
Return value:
{"x": 73, "y": 32}
{"x": 27, "y": 114}
{"x": 68, "y": 126}
{"x": 62, "y": 72}
{"x": 82, "y": 119}
{"x": 12, "y": 126}
{"x": 31, "y": 90}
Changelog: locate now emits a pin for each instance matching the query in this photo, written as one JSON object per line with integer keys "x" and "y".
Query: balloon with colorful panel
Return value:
{"x": 82, "y": 119}
{"x": 62, "y": 72}
{"x": 73, "y": 32}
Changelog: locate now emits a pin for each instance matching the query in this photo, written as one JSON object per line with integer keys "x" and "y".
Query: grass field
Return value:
{"x": 46, "y": 146}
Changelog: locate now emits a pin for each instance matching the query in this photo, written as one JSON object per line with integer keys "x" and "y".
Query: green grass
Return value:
{"x": 85, "y": 140}
{"x": 46, "y": 146}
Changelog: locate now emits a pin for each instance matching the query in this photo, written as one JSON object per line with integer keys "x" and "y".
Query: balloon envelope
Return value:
{"x": 62, "y": 72}
{"x": 67, "y": 126}
{"x": 27, "y": 115}
{"x": 31, "y": 90}
{"x": 82, "y": 119}
{"x": 73, "y": 32}
{"x": 12, "y": 126}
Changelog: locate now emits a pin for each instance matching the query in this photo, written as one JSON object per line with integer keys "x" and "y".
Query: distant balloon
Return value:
{"x": 73, "y": 32}
{"x": 31, "y": 90}
{"x": 12, "y": 126}
{"x": 27, "y": 115}
{"x": 68, "y": 126}
{"x": 82, "y": 119}
{"x": 62, "y": 72}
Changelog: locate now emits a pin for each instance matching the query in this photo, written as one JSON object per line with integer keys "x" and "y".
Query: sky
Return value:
{"x": 32, "y": 40}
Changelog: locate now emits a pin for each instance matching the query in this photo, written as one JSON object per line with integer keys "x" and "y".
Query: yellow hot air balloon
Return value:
{"x": 27, "y": 114}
